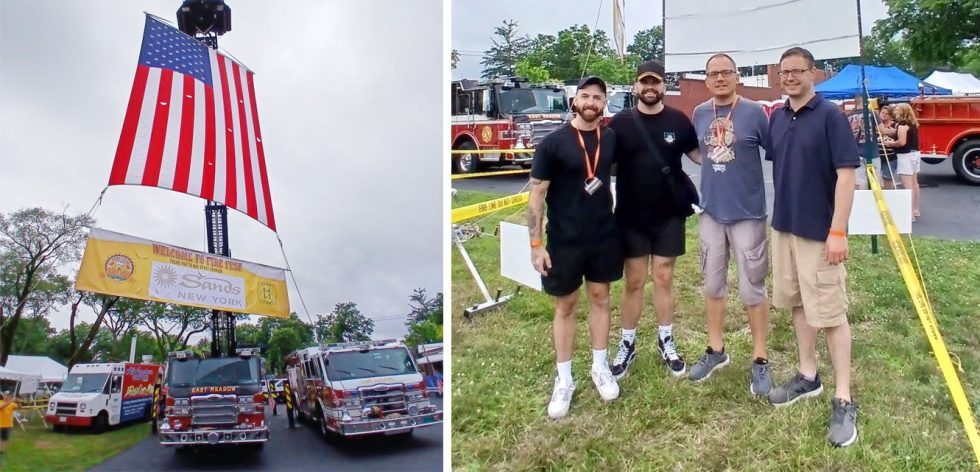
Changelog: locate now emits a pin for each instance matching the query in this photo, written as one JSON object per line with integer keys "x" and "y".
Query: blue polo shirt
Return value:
{"x": 806, "y": 148}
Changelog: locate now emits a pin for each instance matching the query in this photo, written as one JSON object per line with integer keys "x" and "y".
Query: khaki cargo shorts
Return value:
{"x": 747, "y": 239}
{"x": 801, "y": 276}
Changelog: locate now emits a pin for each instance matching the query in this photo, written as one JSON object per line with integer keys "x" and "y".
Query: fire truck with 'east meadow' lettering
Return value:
{"x": 502, "y": 114}
{"x": 361, "y": 388}
{"x": 99, "y": 395}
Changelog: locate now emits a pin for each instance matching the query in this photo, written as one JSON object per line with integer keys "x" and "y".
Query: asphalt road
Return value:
{"x": 301, "y": 448}
{"x": 950, "y": 207}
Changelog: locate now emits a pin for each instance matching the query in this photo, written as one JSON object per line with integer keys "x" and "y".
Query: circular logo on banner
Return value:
{"x": 486, "y": 134}
{"x": 267, "y": 293}
{"x": 119, "y": 268}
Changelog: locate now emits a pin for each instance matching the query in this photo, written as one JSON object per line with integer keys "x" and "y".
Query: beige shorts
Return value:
{"x": 909, "y": 163}
{"x": 801, "y": 276}
{"x": 747, "y": 239}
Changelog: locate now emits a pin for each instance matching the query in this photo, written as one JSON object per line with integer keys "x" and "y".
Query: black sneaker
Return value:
{"x": 668, "y": 353}
{"x": 798, "y": 387}
{"x": 624, "y": 358}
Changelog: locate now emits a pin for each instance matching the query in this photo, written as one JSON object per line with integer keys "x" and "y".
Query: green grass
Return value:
{"x": 503, "y": 369}
{"x": 41, "y": 449}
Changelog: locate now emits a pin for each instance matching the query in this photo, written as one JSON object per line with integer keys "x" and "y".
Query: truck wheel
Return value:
{"x": 100, "y": 423}
{"x": 966, "y": 161}
{"x": 465, "y": 163}
{"x": 321, "y": 421}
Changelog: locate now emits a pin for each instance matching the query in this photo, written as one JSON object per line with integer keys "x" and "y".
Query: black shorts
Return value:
{"x": 664, "y": 238}
{"x": 600, "y": 262}
{"x": 5, "y": 433}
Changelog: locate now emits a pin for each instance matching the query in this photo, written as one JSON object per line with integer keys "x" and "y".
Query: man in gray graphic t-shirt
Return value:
{"x": 731, "y": 132}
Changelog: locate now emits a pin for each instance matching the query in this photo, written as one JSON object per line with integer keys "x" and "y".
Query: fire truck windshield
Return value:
{"x": 346, "y": 365}
{"x": 84, "y": 383}
{"x": 532, "y": 100}
{"x": 616, "y": 103}
{"x": 215, "y": 371}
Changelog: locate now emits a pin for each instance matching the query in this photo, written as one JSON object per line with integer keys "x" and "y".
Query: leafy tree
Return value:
{"x": 283, "y": 342}
{"x": 34, "y": 243}
{"x": 33, "y": 336}
{"x": 508, "y": 47}
{"x": 345, "y": 324}
{"x": 425, "y": 318}
{"x": 936, "y": 33}
{"x": 648, "y": 45}
{"x": 534, "y": 73}
{"x": 454, "y": 59}
{"x": 172, "y": 326}
{"x": 101, "y": 305}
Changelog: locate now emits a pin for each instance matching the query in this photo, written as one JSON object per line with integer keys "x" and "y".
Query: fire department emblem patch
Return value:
{"x": 486, "y": 134}
{"x": 119, "y": 268}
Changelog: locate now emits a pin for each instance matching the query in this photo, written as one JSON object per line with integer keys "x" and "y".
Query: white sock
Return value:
{"x": 565, "y": 372}
{"x": 629, "y": 335}
{"x": 599, "y": 361}
{"x": 666, "y": 331}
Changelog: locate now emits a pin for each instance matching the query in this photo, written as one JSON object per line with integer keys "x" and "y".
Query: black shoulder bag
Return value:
{"x": 679, "y": 185}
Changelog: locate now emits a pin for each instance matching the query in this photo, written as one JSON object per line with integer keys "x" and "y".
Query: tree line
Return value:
{"x": 38, "y": 247}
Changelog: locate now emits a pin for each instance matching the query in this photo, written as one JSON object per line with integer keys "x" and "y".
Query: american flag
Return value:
{"x": 192, "y": 125}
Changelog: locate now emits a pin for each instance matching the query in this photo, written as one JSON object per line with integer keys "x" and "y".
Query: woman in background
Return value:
{"x": 889, "y": 164}
{"x": 906, "y": 146}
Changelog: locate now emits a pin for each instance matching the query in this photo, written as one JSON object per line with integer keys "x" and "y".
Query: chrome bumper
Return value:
{"x": 214, "y": 437}
{"x": 389, "y": 425}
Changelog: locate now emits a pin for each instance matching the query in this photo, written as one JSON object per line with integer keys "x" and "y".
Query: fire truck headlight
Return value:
{"x": 52, "y": 406}
{"x": 416, "y": 395}
{"x": 182, "y": 401}
{"x": 413, "y": 410}
{"x": 182, "y": 411}
{"x": 81, "y": 406}
{"x": 246, "y": 408}
{"x": 248, "y": 399}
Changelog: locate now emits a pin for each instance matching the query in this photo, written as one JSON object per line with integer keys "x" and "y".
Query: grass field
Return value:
{"x": 503, "y": 371}
{"x": 41, "y": 449}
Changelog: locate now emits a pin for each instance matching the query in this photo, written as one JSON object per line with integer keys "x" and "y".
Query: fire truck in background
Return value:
{"x": 360, "y": 388}
{"x": 502, "y": 114}
{"x": 949, "y": 127}
{"x": 104, "y": 394}
{"x": 618, "y": 98}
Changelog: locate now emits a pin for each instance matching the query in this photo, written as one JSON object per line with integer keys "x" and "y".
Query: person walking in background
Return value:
{"x": 814, "y": 156}
{"x": 906, "y": 146}
{"x": 7, "y": 407}
{"x": 889, "y": 163}
{"x": 570, "y": 172}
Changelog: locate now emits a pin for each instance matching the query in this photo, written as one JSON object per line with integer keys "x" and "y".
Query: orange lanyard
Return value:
{"x": 590, "y": 168}
{"x": 719, "y": 129}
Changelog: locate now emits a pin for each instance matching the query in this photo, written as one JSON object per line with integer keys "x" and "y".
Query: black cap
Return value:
{"x": 650, "y": 68}
{"x": 592, "y": 80}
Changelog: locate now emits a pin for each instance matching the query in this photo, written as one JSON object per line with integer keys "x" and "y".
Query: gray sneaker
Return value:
{"x": 761, "y": 382}
{"x": 797, "y": 388}
{"x": 843, "y": 423}
{"x": 709, "y": 362}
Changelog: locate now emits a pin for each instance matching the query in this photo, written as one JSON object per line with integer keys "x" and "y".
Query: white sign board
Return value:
{"x": 756, "y": 32}
{"x": 515, "y": 255}
{"x": 864, "y": 213}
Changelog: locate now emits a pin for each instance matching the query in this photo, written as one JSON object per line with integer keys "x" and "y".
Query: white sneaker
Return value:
{"x": 606, "y": 384}
{"x": 561, "y": 398}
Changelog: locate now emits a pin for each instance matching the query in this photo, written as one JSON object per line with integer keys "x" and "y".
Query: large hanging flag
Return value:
{"x": 619, "y": 27}
{"x": 192, "y": 125}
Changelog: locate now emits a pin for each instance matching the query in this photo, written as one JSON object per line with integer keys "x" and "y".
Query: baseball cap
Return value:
{"x": 592, "y": 80}
{"x": 650, "y": 68}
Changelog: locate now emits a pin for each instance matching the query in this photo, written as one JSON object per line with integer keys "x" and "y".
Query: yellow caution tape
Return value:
{"x": 492, "y": 151}
{"x": 478, "y": 209}
{"x": 926, "y": 316}
{"x": 490, "y": 174}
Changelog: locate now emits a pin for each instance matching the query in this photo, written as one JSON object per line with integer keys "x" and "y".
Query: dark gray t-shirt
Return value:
{"x": 732, "y": 187}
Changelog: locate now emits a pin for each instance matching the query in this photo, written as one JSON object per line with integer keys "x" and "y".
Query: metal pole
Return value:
{"x": 866, "y": 99}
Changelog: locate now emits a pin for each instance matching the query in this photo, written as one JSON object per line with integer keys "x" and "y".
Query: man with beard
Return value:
{"x": 732, "y": 130}
{"x": 651, "y": 227}
{"x": 570, "y": 172}
{"x": 814, "y": 155}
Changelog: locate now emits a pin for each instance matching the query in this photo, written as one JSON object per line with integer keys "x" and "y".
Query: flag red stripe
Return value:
{"x": 124, "y": 149}
{"x": 183, "y": 171}
{"x": 207, "y": 175}
{"x": 261, "y": 154}
{"x": 231, "y": 193}
{"x": 246, "y": 152}
{"x": 151, "y": 173}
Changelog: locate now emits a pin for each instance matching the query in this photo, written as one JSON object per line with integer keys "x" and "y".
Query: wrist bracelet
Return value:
{"x": 839, "y": 234}
{"x": 535, "y": 242}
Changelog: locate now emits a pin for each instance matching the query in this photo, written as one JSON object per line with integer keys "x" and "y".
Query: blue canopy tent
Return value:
{"x": 882, "y": 82}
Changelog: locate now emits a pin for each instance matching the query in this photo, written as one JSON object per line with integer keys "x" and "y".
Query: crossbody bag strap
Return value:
{"x": 664, "y": 168}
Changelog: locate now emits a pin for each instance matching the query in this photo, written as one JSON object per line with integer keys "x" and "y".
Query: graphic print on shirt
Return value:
{"x": 720, "y": 139}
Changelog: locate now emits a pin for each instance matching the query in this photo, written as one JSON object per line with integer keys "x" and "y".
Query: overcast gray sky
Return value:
{"x": 350, "y": 100}
{"x": 473, "y": 21}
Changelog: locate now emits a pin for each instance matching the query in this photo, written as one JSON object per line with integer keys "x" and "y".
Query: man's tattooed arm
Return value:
{"x": 535, "y": 207}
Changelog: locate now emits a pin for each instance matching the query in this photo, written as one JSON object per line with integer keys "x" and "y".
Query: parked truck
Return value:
{"x": 100, "y": 395}
{"x": 949, "y": 128}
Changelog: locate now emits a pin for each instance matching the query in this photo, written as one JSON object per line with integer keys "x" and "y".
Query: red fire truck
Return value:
{"x": 502, "y": 114}
{"x": 361, "y": 388}
{"x": 949, "y": 127}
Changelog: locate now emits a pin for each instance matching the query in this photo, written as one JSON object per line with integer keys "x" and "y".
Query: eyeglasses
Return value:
{"x": 727, "y": 74}
{"x": 792, "y": 72}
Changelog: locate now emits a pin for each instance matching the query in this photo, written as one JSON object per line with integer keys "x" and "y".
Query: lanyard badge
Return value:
{"x": 592, "y": 183}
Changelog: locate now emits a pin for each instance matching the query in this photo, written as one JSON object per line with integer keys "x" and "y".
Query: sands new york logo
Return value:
{"x": 167, "y": 277}
{"x": 119, "y": 268}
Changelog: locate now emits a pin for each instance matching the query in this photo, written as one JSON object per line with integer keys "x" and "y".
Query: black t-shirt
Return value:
{"x": 911, "y": 139}
{"x": 574, "y": 216}
{"x": 641, "y": 197}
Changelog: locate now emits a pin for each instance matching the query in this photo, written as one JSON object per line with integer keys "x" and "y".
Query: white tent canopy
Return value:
{"x": 27, "y": 383}
{"x": 959, "y": 83}
{"x": 49, "y": 369}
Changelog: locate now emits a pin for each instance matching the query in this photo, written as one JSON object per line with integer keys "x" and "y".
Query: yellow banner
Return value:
{"x": 475, "y": 210}
{"x": 131, "y": 267}
{"x": 926, "y": 316}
